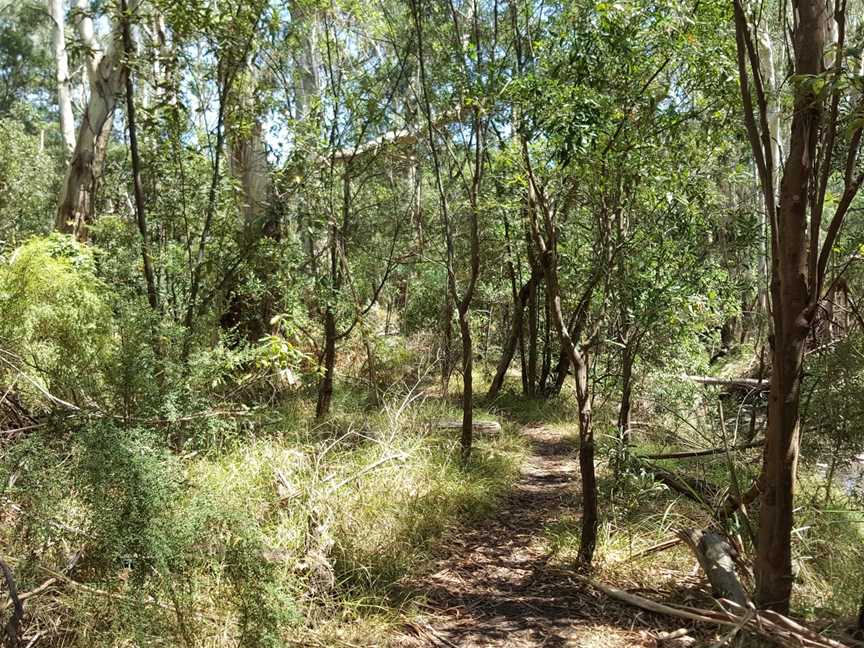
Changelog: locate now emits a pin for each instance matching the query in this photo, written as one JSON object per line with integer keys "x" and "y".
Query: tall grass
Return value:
{"x": 296, "y": 534}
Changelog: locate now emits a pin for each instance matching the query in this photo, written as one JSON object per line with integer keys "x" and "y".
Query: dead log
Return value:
{"x": 753, "y": 384}
{"x": 490, "y": 427}
{"x": 698, "y": 490}
{"x": 717, "y": 558}
{"x": 688, "y": 454}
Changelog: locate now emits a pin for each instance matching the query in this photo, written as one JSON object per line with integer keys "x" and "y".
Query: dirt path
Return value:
{"x": 495, "y": 586}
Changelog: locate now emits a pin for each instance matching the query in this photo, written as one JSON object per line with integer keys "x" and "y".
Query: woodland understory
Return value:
{"x": 431, "y": 323}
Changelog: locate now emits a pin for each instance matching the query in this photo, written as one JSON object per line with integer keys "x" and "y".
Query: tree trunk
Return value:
{"x": 64, "y": 97}
{"x": 548, "y": 258}
{"x": 325, "y": 387}
{"x": 533, "y": 332}
{"x": 248, "y": 164}
{"x": 590, "y": 513}
{"x": 446, "y": 340}
{"x": 77, "y": 194}
{"x": 628, "y": 358}
{"x": 792, "y": 322}
{"x": 513, "y": 339}
{"x": 466, "y": 439}
{"x": 546, "y": 362}
{"x": 137, "y": 189}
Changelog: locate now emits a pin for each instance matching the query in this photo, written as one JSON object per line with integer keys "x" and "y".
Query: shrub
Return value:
{"x": 56, "y": 326}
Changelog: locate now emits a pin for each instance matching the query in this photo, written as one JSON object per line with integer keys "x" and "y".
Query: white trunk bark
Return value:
{"x": 307, "y": 61}
{"x": 249, "y": 167}
{"x": 76, "y": 200}
{"x": 769, "y": 75}
{"x": 87, "y": 33}
{"x": 64, "y": 97}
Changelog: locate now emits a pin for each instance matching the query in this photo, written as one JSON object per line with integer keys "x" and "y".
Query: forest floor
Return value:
{"x": 497, "y": 585}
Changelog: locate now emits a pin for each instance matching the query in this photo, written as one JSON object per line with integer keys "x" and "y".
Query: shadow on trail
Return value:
{"x": 495, "y": 586}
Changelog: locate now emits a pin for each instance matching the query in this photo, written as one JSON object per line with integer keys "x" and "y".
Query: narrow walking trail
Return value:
{"x": 496, "y": 587}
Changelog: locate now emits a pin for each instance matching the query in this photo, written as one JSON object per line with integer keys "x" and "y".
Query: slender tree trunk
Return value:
{"x": 562, "y": 368}
{"x": 590, "y": 509}
{"x": 533, "y": 333}
{"x": 628, "y": 358}
{"x": 446, "y": 340}
{"x": 766, "y": 50}
{"x": 546, "y": 363}
{"x": 548, "y": 258}
{"x": 477, "y": 163}
{"x": 509, "y": 349}
{"x": 64, "y": 97}
{"x": 325, "y": 388}
{"x": 137, "y": 190}
{"x": 466, "y": 439}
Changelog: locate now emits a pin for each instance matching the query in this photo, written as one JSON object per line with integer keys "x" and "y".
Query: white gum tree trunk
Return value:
{"x": 107, "y": 79}
{"x": 64, "y": 97}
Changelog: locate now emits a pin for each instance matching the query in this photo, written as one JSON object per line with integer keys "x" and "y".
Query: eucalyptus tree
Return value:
{"x": 820, "y": 179}
{"x": 107, "y": 75}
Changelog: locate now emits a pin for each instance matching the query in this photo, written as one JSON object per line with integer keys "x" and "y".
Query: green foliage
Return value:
{"x": 56, "y": 320}
{"x": 130, "y": 486}
{"x": 27, "y": 184}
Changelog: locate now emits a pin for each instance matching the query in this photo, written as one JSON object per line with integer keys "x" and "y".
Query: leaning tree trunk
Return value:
{"x": 516, "y": 327}
{"x": 548, "y": 258}
{"x": 76, "y": 200}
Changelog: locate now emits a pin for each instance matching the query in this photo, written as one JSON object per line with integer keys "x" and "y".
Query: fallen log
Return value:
{"x": 478, "y": 426}
{"x": 688, "y": 454}
{"x": 717, "y": 558}
{"x": 742, "y": 383}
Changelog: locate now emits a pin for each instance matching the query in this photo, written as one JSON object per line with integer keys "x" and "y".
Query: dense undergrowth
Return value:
{"x": 150, "y": 500}
{"x": 292, "y": 533}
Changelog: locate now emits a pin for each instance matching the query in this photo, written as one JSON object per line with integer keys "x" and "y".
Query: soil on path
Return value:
{"x": 496, "y": 586}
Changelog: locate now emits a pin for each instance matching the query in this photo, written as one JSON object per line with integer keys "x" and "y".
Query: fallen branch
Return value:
{"x": 732, "y": 504}
{"x": 660, "y": 546}
{"x": 698, "y": 490}
{"x": 478, "y": 426}
{"x": 57, "y": 576}
{"x": 768, "y": 625}
{"x": 703, "y": 453}
{"x": 10, "y": 630}
{"x": 398, "y": 456}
